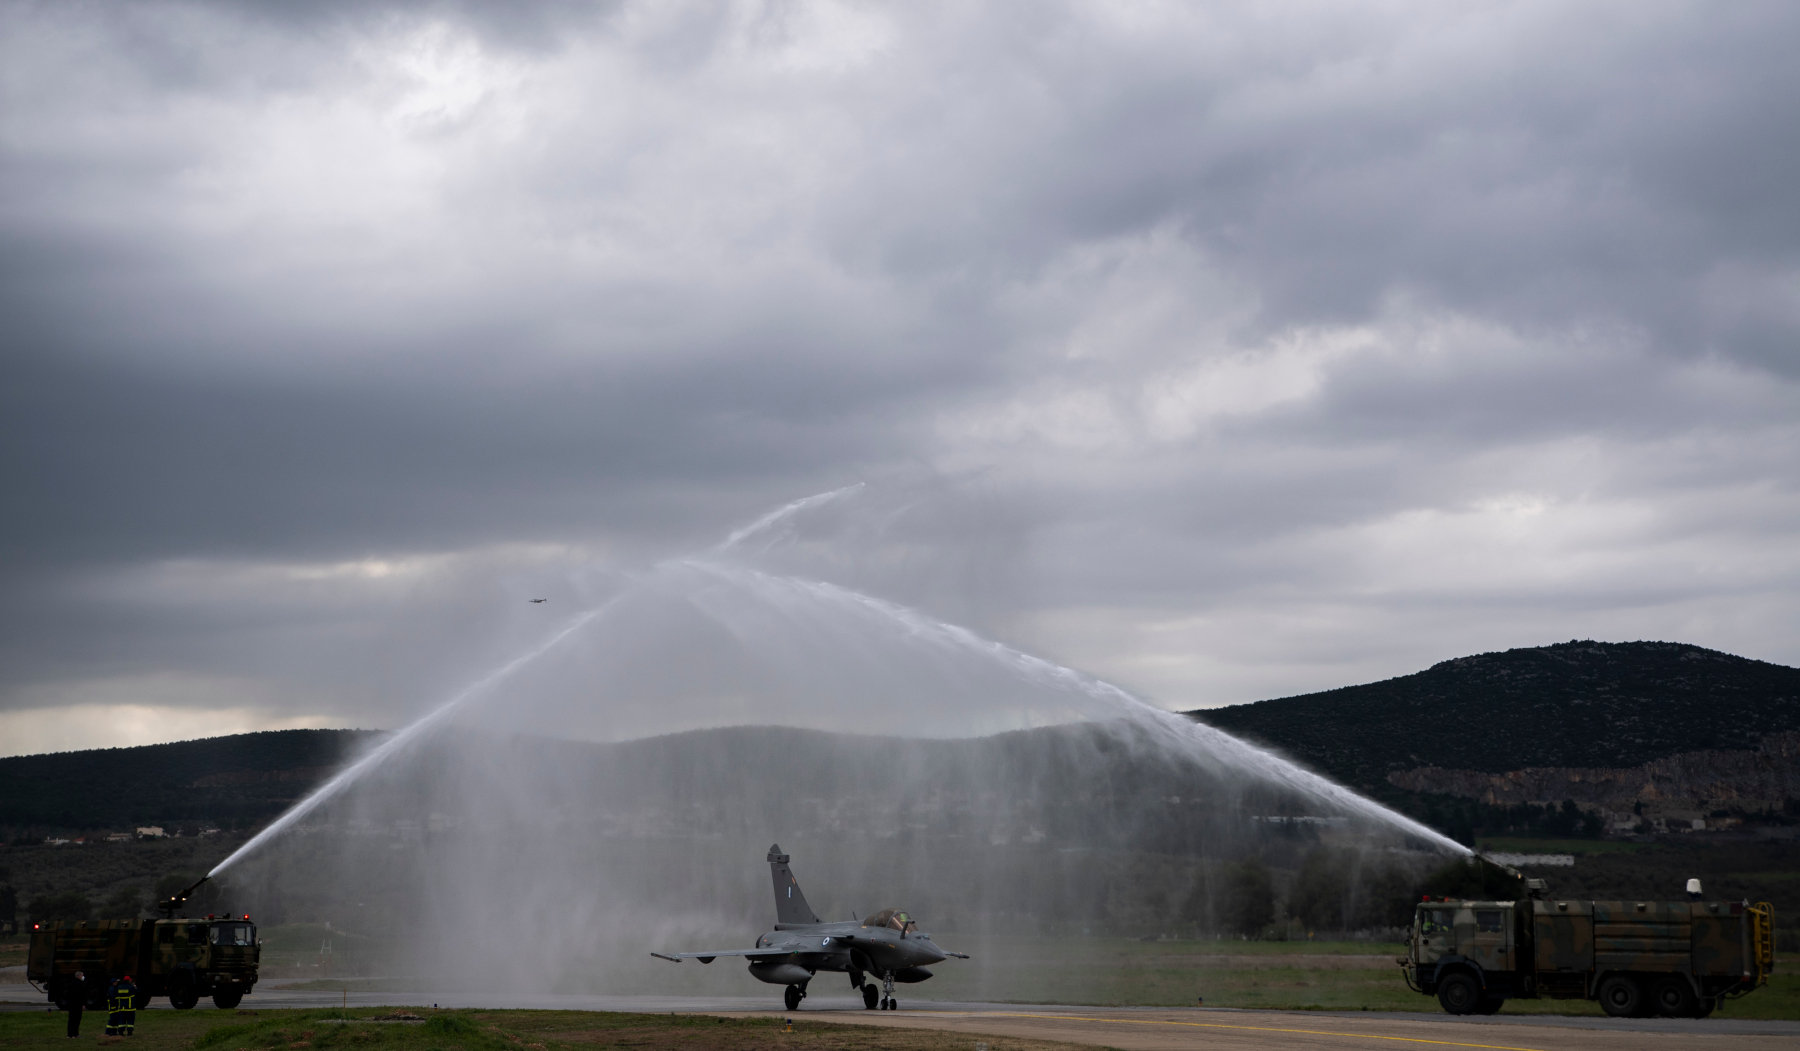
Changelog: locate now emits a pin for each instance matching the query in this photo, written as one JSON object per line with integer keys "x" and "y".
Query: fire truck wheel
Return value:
{"x": 1675, "y": 997}
{"x": 226, "y": 999}
{"x": 1459, "y": 994}
{"x": 1621, "y": 996}
{"x": 183, "y": 997}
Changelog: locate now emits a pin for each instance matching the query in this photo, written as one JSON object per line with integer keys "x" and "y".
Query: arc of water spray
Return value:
{"x": 781, "y": 514}
{"x": 350, "y": 774}
{"x": 1167, "y": 724}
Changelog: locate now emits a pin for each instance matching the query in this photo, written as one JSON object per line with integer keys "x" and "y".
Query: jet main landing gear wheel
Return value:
{"x": 871, "y": 996}
{"x": 792, "y": 997}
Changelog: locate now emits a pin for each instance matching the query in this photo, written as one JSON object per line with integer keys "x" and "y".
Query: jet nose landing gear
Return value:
{"x": 793, "y": 996}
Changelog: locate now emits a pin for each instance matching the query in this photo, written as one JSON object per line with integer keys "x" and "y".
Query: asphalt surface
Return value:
{"x": 1137, "y": 1028}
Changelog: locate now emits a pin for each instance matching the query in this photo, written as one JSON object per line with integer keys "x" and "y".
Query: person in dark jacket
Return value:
{"x": 79, "y": 1002}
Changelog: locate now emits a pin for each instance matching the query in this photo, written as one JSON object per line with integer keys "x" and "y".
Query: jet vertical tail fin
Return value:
{"x": 790, "y": 904}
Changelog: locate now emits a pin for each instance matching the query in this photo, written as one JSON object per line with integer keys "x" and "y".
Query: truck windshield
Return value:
{"x": 234, "y": 934}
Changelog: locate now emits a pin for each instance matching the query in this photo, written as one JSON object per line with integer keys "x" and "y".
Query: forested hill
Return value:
{"x": 236, "y": 781}
{"x": 1574, "y": 704}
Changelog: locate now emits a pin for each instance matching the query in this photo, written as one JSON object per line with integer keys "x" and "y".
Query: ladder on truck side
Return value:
{"x": 1762, "y": 939}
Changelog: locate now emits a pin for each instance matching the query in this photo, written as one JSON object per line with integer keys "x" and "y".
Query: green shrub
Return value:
{"x": 451, "y": 1025}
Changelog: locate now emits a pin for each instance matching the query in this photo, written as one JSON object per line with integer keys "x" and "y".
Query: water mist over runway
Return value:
{"x": 611, "y": 790}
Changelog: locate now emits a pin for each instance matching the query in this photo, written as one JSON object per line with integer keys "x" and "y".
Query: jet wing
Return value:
{"x": 713, "y": 954}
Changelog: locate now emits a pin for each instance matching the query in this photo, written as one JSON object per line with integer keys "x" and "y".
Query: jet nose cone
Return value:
{"x": 932, "y": 953}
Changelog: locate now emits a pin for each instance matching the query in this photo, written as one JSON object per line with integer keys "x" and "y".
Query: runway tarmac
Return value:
{"x": 1131, "y": 1028}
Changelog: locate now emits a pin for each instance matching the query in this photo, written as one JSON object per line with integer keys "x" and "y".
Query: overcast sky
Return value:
{"x": 1222, "y": 351}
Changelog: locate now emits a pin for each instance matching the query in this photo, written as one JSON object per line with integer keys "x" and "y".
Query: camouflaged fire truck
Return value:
{"x": 182, "y": 959}
{"x": 1638, "y": 958}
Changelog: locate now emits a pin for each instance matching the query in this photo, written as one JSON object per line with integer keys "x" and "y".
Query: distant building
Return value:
{"x": 151, "y": 832}
{"x": 118, "y": 837}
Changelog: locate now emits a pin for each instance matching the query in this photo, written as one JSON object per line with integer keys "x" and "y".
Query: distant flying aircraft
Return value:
{"x": 888, "y": 944}
{"x": 537, "y": 600}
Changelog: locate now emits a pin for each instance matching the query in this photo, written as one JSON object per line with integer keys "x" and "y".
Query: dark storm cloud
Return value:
{"x": 184, "y": 463}
{"x": 1546, "y": 168}
{"x": 1249, "y": 328}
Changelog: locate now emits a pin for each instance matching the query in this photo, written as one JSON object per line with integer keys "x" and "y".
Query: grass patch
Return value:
{"x": 1290, "y": 976}
{"x": 1578, "y": 847}
{"x": 1126, "y": 972}
{"x": 13, "y": 948}
{"x": 381, "y": 1029}
{"x": 1035, "y": 947}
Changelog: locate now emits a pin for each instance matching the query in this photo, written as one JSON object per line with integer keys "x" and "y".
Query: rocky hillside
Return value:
{"x": 1755, "y": 781}
{"x": 1606, "y": 724}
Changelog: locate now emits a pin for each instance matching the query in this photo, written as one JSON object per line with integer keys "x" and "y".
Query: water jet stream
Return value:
{"x": 1179, "y": 733}
{"x": 822, "y": 608}
{"x": 400, "y": 741}
{"x": 413, "y": 732}
{"x": 781, "y": 514}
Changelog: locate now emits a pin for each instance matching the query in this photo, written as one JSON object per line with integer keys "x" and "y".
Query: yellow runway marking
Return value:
{"x": 1268, "y": 1029}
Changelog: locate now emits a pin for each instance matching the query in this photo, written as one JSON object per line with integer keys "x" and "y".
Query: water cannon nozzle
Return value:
{"x": 176, "y": 900}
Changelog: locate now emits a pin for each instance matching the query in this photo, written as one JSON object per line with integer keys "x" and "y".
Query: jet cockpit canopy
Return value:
{"x": 893, "y": 919}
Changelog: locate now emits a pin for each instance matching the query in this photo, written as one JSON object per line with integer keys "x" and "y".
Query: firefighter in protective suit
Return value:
{"x": 122, "y": 1007}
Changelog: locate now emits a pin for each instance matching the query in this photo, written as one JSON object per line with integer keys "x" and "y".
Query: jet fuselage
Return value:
{"x": 845, "y": 946}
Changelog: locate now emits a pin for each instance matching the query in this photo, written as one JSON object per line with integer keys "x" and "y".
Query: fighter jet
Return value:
{"x": 888, "y": 945}
{"x": 535, "y": 601}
